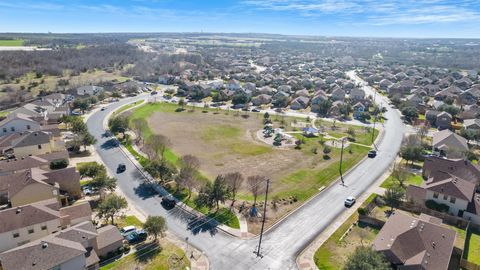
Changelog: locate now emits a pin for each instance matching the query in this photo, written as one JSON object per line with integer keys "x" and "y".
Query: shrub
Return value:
{"x": 362, "y": 211}
{"x": 58, "y": 164}
{"x": 437, "y": 206}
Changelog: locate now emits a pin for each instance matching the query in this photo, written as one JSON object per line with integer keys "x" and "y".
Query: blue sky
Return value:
{"x": 388, "y": 18}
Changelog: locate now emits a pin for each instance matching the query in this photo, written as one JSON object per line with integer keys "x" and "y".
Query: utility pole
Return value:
{"x": 375, "y": 116}
{"x": 263, "y": 220}
{"x": 341, "y": 161}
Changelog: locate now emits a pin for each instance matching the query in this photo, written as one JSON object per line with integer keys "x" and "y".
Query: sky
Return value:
{"x": 367, "y": 18}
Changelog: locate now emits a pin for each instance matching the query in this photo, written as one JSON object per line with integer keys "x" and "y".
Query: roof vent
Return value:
{"x": 434, "y": 244}
{"x": 19, "y": 210}
{"x": 44, "y": 245}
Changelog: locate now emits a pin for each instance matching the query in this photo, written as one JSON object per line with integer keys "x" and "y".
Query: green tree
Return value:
{"x": 81, "y": 104}
{"x": 78, "y": 126}
{"x": 111, "y": 206}
{"x": 351, "y": 132}
{"x": 451, "y": 109}
{"x": 410, "y": 113}
{"x": 411, "y": 152}
{"x": 91, "y": 169}
{"x": 104, "y": 183}
{"x": 155, "y": 225}
{"x": 87, "y": 139}
{"x": 181, "y": 103}
{"x": 394, "y": 195}
{"x": 240, "y": 98}
{"x": 324, "y": 107}
{"x": 162, "y": 169}
{"x": 214, "y": 193}
{"x": 469, "y": 134}
{"x": 118, "y": 124}
{"x": 365, "y": 258}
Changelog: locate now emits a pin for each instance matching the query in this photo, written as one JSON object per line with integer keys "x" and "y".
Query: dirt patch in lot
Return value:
{"x": 226, "y": 143}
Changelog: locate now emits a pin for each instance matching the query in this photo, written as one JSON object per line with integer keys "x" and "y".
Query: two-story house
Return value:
{"x": 17, "y": 122}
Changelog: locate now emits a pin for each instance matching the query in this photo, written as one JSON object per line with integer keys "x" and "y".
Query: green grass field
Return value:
{"x": 128, "y": 221}
{"x": 128, "y": 106}
{"x": 472, "y": 249}
{"x": 11, "y": 42}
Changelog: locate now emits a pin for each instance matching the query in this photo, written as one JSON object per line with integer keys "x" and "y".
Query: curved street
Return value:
{"x": 282, "y": 242}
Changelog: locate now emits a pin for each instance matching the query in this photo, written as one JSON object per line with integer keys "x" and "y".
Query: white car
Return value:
{"x": 349, "y": 201}
{"x": 126, "y": 230}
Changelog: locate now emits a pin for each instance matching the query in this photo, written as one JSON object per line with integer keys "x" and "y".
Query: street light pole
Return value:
{"x": 375, "y": 116}
{"x": 341, "y": 161}
{"x": 263, "y": 220}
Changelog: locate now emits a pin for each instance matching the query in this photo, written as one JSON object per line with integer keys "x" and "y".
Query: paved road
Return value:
{"x": 281, "y": 243}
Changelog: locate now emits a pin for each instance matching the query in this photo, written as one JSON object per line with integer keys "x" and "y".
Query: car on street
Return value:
{"x": 136, "y": 236}
{"x": 121, "y": 168}
{"x": 349, "y": 201}
{"x": 127, "y": 230}
{"x": 153, "y": 93}
{"x": 372, "y": 154}
{"x": 102, "y": 109}
{"x": 255, "y": 110}
{"x": 169, "y": 201}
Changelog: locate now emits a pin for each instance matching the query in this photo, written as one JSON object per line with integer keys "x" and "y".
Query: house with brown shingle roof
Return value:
{"x": 449, "y": 144}
{"x": 76, "y": 247}
{"x": 9, "y": 166}
{"x": 415, "y": 242}
{"x": 23, "y": 224}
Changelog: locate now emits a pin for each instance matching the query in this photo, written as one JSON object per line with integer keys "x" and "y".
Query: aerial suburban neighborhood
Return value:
{"x": 128, "y": 149}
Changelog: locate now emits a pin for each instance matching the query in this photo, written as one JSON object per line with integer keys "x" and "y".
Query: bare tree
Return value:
{"x": 188, "y": 173}
{"x": 234, "y": 182}
{"x": 400, "y": 173}
{"x": 255, "y": 186}
{"x": 137, "y": 125}
{"x": 191, "y": 161}
{"x": 156, "y": 146}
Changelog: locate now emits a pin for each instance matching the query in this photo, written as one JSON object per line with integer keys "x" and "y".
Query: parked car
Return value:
{"x": 127, "y": 230}
{"x": 169, "y": 201}
{"x": 121, "y": 168}
{"x": 372, "y": 154}
{"x": 349, "y": 201}
{"x": 136, "y": 236}
{"x": 255, "y": 110}
{"x": 153, "y": 93}
{"x": 102, "y": 109}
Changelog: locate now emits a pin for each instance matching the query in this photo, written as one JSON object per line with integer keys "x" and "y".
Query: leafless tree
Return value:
{"x": 256, "y": 186}
{"x": 234, "y": 182}
{"x": 156, "y": 146}
{"x": 400, "y": 173}
{"x": 188, "y": 173}
{"x": 137, "y": 125}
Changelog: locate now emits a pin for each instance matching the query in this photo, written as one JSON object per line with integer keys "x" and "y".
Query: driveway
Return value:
{"x": 282, "y": 242}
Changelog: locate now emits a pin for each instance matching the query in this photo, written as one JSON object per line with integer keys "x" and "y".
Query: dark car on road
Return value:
{"x": 255, "y": 110}
{"x": 136, "y": 236}
{"x": 121, "y": 168}
{"x": 372, "y": 154}
{"x": 169, "y": 201}
{"x": 153, "y": 93}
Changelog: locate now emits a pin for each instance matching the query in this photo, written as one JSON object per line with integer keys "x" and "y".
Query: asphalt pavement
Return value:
{"x": 281, "y": 243}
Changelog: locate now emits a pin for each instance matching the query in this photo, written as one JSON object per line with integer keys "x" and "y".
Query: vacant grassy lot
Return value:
{"x": 128, "y": 221}
{"x": 11, "y": 42}
{"x": 156, "y": 257}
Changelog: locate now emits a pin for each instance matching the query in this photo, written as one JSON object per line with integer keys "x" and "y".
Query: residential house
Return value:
{"x": 473, "y": 124}
{"x": 89, "y": 90}
{"x": 357, "y": 94}
{"x": 469, "y": 97}
{"x": 74, "y": 248}
{"x": 9, "y": 166}
{"x": 233, "y": 85}
{"x": 385, "y": 84}
{"x": 29, "y": 143}
{"x": 299, "y": 103}
{"x": 261, "y": 100}
{"x": 302, "y": 93}
{"x": 23, "y": 224}
{"x": 470, "y": 112}
{"x": 414, "y": 100}
{"x": 431, "y": 117}
{"x": 444, "y": 120}
{"x": 17, "y": 122}
{"x": 338, "y": 94}
{"x": 449, "y": 144}
{"x": 317, "y": 99}
{"x": 358, "y": 110}
{"x": 458, "y": 167}
{"x": 335, "y": 109}
{"x": 415, "y": 242}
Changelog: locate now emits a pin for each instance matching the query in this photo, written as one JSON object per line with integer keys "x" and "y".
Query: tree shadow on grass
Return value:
{"x": 147, "y": 251}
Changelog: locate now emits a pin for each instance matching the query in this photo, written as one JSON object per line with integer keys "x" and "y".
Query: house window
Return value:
{"x": 452, "y": 199}
{"x": 12, "y": 128}
{"x": 445, "y": 197}
{"x": 435, "y": 195}
{"x": 16, "y": 235}
{"x": 44, "y": 227}
{"x": 31, "y": 230}
{"x": 4, "y": 129}
{"x": 39, "y": 146}
{"x": 28, "y": 126}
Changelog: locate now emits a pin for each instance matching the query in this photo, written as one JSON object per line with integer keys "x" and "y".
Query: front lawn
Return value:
{"x": 125, "y": 221}
{"x": 334, "y": 252}
{"x": 413, "y": 179}
{"x": 472, "y": 246}
{"x": 164, "y": 256}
